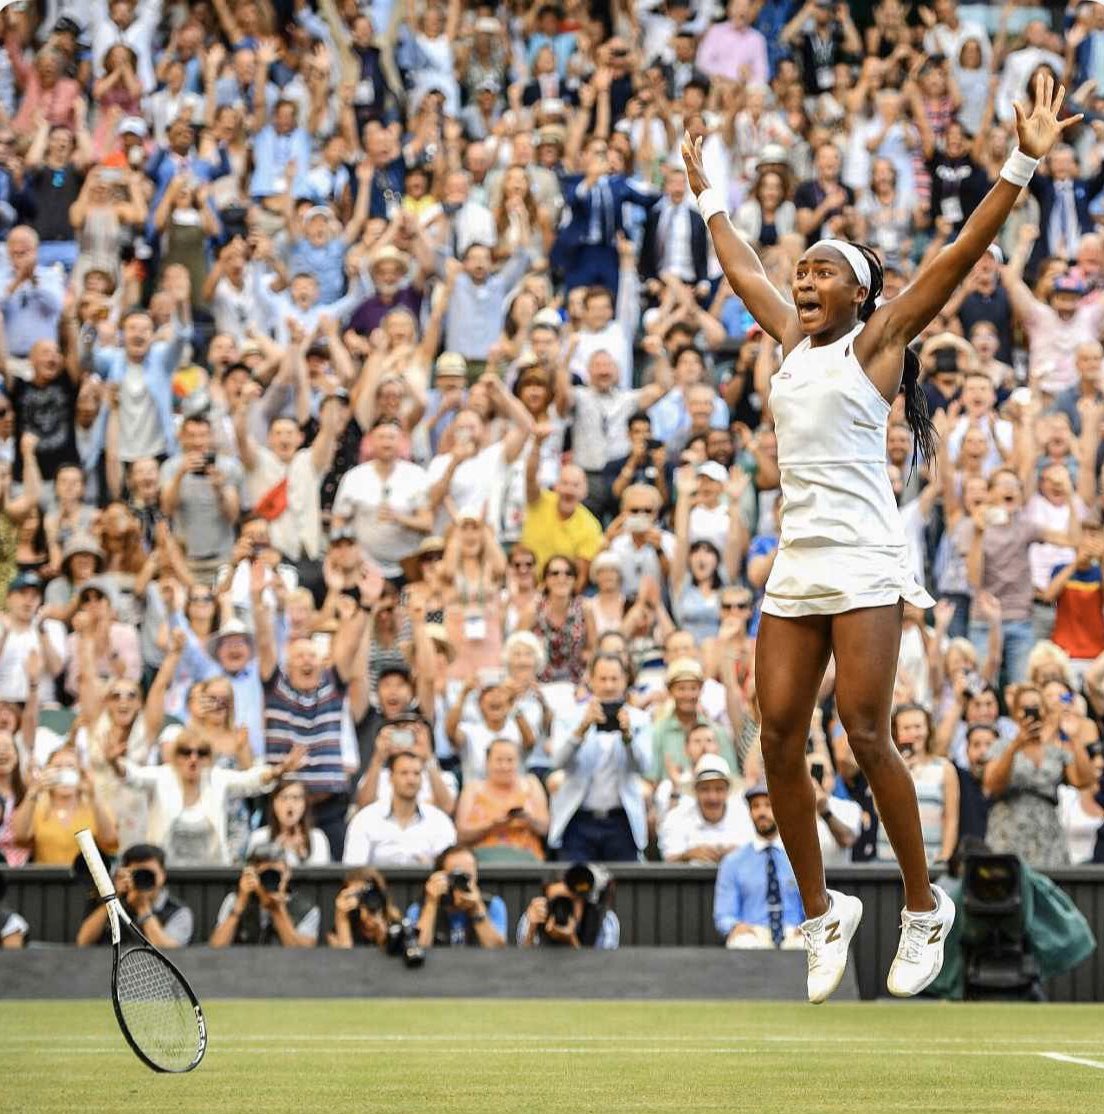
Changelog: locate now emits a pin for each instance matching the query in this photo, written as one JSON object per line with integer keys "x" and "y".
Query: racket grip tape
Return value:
{"x": 87, "y": 844}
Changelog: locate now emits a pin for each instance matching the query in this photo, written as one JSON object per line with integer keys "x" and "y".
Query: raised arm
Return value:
{"x": 903, "y": 318}
{"x": 741, "y": 265}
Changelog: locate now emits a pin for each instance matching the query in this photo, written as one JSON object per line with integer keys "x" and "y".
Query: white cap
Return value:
{"x": 711, "y": 767}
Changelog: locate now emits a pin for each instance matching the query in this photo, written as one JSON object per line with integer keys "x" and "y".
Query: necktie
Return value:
{"x": 1067, "y": 217}
{"x": 774, "y": 899}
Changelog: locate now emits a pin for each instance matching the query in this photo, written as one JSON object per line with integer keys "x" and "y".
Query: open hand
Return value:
{"x": 1039, "y": 132}
{"x": 692, "y": 158}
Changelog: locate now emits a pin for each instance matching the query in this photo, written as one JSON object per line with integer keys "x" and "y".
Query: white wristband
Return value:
{"x": 710, "y": 204}
{"x": 1019, "y": 168}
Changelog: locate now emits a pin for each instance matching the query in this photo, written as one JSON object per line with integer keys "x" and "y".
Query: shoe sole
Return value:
{"x": 938, "y": 967}
{"x": 843, "y": 970}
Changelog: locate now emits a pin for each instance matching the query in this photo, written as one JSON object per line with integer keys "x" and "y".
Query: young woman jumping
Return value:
{"x": 841, "y": 572}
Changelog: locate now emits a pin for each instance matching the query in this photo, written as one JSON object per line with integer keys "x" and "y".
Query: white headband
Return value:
{"x": 859, "y": 264}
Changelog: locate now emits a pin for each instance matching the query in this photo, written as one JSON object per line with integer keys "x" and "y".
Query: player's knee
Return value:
{"x": 870, "y": 745}
{"x": 783, "y": 752}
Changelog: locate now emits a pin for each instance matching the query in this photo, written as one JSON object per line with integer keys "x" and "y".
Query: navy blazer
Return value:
{"x": 650, "y": 256}
{"x": 575, "y": 228}
{"x": 1084, "y": 192}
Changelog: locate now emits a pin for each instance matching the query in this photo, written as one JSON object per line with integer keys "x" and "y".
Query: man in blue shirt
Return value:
{"x": 756, "y": 903}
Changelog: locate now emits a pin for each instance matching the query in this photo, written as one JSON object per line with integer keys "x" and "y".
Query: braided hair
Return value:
{"x": 916, "y": 402}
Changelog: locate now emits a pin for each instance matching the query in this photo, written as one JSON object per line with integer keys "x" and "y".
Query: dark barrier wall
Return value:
{"x": 658, "y": 905}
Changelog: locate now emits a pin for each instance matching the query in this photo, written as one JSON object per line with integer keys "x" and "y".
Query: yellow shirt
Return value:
{"x": 55, "y": 842}
{"x": 547, "y": 534}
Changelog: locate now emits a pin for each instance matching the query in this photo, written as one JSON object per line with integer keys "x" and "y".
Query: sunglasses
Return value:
{"x": 428, "y": 558}
{"x": 193, "y": 752}
{"x": 201, "y": 597}
{"x": 735, "y": 605}
{"x": 560, "y": 572}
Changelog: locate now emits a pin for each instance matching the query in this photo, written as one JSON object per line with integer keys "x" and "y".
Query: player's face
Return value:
{"x": 825, "y": 291}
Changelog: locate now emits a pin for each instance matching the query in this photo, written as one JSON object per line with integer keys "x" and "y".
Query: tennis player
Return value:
{"x": 841, "y": 571}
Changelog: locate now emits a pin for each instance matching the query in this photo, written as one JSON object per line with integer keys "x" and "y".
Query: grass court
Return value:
{"x": 557, "y": 1057}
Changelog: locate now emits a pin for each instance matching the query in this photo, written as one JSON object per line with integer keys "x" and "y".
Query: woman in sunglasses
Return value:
{"x": 189, "y": 796}
{"x": 522, "y": 591}
{"x": 561, "y": 623}
{"x": 118, "y": 719}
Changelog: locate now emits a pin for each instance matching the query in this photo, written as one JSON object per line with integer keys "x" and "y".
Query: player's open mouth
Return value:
{"x": 807, "y": 306}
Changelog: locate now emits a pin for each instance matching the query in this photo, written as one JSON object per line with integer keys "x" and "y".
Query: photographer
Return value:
{"x": 14, "y": 930}
{"x": 455, "y": 913}
{"x": 598, "y": 811}
{"x": 573, "y": 913}
{"x": 362, "y": 911}
{"x": 263, "y": 910}
{"x": 140, "y": 884}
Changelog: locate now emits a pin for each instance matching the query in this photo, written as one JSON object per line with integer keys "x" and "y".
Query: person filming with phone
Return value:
{"x": 454, "y": 912}
{"x": 140, "y": 882}
{"x": 264, "y": 909}
{"x": 574, "y": 911}
{"x": 597, "y": 814}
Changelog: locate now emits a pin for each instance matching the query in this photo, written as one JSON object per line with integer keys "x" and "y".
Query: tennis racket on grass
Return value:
{"x": 157, "y": 1011}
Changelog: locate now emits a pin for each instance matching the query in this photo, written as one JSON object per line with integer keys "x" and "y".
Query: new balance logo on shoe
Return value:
{"x": 936, "y": 934}
{"x": 832, "y": 933}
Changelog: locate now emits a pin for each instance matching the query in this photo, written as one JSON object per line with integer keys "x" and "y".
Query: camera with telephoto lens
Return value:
{"x": 588, "y": 880}
{"x": 143, "y": 880}
{"x": 373, "y": 898}
{"x": 270, "y": 880}
{"x": 402, "y": 941}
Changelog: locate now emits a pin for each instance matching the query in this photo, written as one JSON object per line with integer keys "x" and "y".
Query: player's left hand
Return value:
{"x": 1038, "y": 133}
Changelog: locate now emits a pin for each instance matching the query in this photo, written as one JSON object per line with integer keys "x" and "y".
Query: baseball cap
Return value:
{"x": 393, "y": 668}
{"x": 451, "y": 363}
{"x": 549, "y": 318}
{"x": 25, "y": 580}
{"x": 759, "y": 789}
{"x": 684, "y": 669}
{"x": 772, "y": 154}
{"x": 133, "y": 125}
{"x": 317, "y": 211}
{"x": 100, "y": 584}
{"x": 711, "y": 767}
{"x": 487, "y": 25}
{"x": 342, "y": 534}
{"x": 713, "y": 471}
{"x": 552, "y": 133}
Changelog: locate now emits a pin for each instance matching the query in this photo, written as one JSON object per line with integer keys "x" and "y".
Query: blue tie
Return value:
{"x": 774, "y": 899}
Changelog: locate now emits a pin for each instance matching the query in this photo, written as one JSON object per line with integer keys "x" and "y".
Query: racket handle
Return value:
{"x": 96, "y": 868}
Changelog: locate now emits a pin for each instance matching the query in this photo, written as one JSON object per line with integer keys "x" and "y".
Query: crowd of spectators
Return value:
{"x": 387, "y": 474}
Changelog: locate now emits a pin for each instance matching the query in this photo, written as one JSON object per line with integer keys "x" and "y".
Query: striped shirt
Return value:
{"x": 311, "y": 719}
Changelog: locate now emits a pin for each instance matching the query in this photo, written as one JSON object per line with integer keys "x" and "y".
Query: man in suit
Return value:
{"x": 675, "y": 238}
{"x": 604, "y": 749}
{"x": 1064, "y": 199}
{"x": 586, "y": 246}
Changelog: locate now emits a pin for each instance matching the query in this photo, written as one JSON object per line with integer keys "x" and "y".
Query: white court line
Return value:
{"x": 1062, "y": 1058}
{"x": 245, "y": 1039}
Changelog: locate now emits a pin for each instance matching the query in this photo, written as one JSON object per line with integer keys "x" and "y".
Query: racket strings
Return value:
{"x": 157, "y": 1010}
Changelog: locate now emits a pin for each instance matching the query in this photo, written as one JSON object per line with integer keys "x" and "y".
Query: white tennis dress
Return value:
{"x": 842, "y": 543}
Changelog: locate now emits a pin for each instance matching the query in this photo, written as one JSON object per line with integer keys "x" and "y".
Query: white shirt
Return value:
{"x": 359, "y": 497}
{"x": 375, "y": 838}
{"x": 710, "y": 524}
{"x": 235, "y": 310}
{"x": 479, "y": 480}
{"x": 1043, "y": 556}
{"x": 849, "y": 814}
{"x": 685, "y": 827}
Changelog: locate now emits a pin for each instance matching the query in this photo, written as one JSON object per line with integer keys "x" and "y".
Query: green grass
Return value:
{"x": 565, "y": 1058}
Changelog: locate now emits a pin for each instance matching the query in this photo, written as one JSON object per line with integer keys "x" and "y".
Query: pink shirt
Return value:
{"x": 725, "y": 51}
{"x": 1052, "y": 342}
{"x": 125, "y": 658}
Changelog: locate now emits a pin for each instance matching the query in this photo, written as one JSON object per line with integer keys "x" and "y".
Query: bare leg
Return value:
{"x": 865, "y": 644}
{"x": 790, "y": 656}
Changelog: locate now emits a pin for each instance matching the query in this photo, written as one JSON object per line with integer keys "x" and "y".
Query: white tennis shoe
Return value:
{"x": 827, "y": 939}
{"x": 920, "y": 954}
